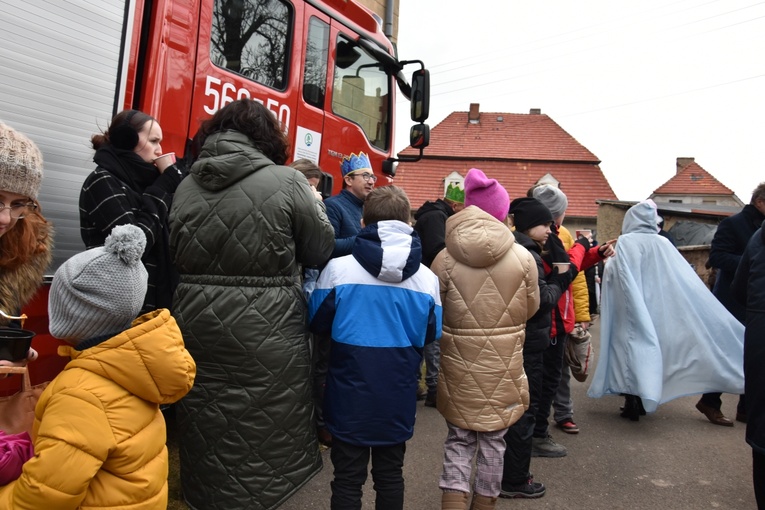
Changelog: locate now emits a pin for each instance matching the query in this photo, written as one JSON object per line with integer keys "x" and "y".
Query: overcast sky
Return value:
{"x": 637, "y": 83}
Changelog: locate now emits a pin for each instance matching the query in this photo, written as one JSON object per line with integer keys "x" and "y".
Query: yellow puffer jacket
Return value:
{"x": 489, "y": 289}
{"x": 99, "y": 435}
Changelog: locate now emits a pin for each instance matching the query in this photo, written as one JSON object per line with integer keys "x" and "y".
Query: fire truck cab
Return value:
{"x": 323, "y": 67}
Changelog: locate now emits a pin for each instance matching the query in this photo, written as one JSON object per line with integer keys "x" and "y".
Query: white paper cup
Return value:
{"x": 562, "y": 266}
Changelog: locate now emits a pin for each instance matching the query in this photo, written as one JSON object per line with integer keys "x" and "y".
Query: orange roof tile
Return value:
{"x": 516, "y": 149}
{"x": 513, "y": 136}
{"x": 583, "y": 184}
{"x": 693, "y": 180}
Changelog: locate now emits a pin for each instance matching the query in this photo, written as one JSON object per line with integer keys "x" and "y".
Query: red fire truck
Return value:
{"x": 323, "y": 67}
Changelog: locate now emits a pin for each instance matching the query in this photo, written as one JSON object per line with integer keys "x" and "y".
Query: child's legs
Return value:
{"x": 459, "y": 449}
{"x": 350, "y": 464}
{"x": 388, "y": 476}
{"x": 489, "y": 463}
{"x": 552, "y": 366}
{"x": 563, "y": 405}
{"x": 432, "y": 355}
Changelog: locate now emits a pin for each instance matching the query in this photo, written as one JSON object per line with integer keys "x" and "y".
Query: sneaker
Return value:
{"x": 527, "y": 490}
{"x": 546, "y": 447}
{"x": 568, "y": 426}
{"x": 431, "y": 399}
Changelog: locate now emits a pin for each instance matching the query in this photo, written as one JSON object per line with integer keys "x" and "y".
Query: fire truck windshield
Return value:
{"x": 361, "y": 91}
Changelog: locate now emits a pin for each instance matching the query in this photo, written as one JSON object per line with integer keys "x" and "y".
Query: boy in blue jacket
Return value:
{"x": 381, "y": 306}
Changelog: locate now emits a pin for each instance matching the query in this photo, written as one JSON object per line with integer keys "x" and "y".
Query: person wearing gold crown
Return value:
{"x": 430, "y": 225}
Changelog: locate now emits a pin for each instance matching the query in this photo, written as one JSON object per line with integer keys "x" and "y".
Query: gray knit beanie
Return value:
{"x": 101, "y": 290}
{"x": 20, "y": 163}
{"x": 553, "y": 198}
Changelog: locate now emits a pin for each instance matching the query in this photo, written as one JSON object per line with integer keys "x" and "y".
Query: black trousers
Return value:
{"x": 552, "y": 365}
{"x": 518, "y": 436}
{"x": 322, "y": 344}
{"x": 350, "y": 463}
{"x": 758, "y": 477}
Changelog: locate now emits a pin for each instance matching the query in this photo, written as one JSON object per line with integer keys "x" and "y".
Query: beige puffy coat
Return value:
{"x": 489, "y": 290}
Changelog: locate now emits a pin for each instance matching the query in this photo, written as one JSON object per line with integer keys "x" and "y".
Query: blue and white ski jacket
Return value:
{"x": 381, "y": 306}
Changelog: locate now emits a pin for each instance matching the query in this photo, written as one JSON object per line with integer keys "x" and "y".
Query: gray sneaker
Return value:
{"x": 546, "y": 447}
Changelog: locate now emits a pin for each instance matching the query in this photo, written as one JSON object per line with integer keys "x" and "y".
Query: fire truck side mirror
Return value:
{"x": 419, "y": 136}
{"x": 420, "y": 95}
{"x": 389, "y": 167}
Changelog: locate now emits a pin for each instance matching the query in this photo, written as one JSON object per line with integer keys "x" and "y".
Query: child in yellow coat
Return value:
{"x": 99, "y": 435}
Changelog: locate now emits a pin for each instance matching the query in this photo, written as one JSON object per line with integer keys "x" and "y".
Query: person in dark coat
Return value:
{"x": 430, "y": 221}
{"x": 749, "y": 289}
{"x": 241, "y": 227}
{"x": 344, "y": 209}
{"x": 430, "y": 225}
{"x": 133, "y": 185}
{"x": 728, "y": 244}
{"x": 532, "y": 221}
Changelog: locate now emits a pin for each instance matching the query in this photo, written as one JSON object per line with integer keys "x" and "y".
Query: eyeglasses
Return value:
{"x": 367, "y": 177}
{"x": 18, "y": 211}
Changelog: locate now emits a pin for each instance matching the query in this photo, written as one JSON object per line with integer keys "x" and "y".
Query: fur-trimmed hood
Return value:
{"x": 18, "y": 286}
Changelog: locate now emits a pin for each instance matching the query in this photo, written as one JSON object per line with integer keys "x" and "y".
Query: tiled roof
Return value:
{"x": 693, "y": 180}
{"x": 508, "y": 136}
{"x": 582, "y": 183}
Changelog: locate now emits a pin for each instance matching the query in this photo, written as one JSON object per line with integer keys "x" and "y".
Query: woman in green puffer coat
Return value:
{"x": 241, "y": 226}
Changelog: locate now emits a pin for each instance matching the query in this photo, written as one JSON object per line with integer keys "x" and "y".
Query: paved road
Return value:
{"x": 671, "y": 460}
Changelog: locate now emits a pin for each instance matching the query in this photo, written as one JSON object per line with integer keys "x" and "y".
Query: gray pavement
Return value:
{"x": 673, "y": 459}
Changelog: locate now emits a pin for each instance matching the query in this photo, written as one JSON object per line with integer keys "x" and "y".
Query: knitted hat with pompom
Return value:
{"x": 99, "y": 291}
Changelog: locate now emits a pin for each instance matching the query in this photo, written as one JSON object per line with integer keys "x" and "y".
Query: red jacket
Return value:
{"x": 564, "y": 317}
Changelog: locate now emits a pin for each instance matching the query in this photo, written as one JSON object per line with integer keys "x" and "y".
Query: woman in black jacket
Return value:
{"x": 132, "y": 184}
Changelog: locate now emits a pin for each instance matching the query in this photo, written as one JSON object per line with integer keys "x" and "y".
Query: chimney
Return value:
{"x": 473, "y": 114}
{"x": 682, "y": 163}
{"x": 535, "y": 111}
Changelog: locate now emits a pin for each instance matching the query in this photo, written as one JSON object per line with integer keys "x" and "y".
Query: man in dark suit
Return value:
{"x": 728, "y": 245}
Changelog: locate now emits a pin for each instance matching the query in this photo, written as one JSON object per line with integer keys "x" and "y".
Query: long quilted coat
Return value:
{"x": 99, "y": 435}
{"x": 240, "y": 228}
{"x": 489, "y": 289}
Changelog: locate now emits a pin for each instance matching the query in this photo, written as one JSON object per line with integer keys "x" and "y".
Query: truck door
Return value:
{"x": 359, "y": 109}
{"x": 314, "y": 43}
{"x": 245, "y": 49}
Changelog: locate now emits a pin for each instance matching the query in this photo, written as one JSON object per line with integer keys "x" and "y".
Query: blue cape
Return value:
{"x": 663, "y": 334}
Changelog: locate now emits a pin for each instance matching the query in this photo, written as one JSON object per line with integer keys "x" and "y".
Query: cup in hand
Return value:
{"x": 584, "y": 233}
{"x": 562, "y": 266}
{"x": 165, "y": 160}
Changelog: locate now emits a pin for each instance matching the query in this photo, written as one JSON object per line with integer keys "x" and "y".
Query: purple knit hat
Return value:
{"x": 486, "y": 194}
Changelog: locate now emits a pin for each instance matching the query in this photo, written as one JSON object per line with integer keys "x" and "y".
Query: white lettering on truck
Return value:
{"x": 225, "y": 93}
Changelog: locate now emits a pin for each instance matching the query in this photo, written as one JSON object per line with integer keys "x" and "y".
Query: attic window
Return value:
{"x": 500, "y": 118}
{"x": 696, "y": 177}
